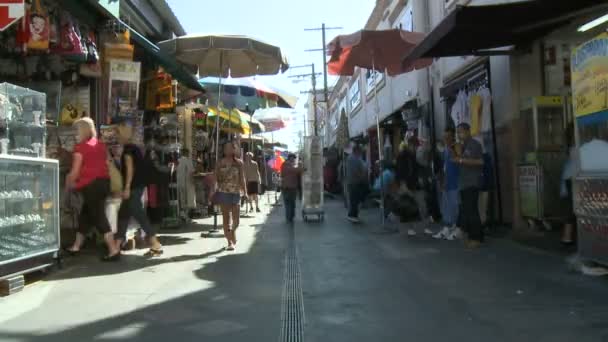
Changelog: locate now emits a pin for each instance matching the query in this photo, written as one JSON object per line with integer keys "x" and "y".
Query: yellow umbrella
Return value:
{"x": 231, "y": 121}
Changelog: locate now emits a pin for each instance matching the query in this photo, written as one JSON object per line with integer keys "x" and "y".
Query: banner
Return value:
{"x": 590, "y": 76}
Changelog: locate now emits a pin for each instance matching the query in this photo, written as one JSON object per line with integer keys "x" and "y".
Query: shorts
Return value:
{"x": 226, "y": 198}
{"x": 253, "y": 188}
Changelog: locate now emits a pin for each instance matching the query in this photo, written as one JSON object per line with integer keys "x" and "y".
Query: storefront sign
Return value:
{"x": 529, "y": 191}
{"x": 10, "y": 12}
{"x": 590, "y": 76}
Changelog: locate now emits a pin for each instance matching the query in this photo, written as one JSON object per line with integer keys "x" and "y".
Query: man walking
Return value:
{"x": 356, "y": 180}
{"x": 471, "y": 165}
{"x": 290, "y": 176}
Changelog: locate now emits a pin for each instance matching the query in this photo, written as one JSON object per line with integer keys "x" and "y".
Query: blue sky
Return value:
{"x": 282, "y": 23}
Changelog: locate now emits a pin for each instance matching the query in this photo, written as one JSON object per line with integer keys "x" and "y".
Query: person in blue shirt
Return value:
{"x": 450, "y": 199}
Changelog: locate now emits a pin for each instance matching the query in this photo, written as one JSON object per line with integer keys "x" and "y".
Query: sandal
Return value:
{"x": 111, "y": 258}
{"x": 230, "y": 248}
{"x": 71, "y": 252}
{"x": 153, "y": 252}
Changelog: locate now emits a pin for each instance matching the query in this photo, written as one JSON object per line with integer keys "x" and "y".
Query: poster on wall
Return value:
{"x": 590, "y": 76}
{"x": 529, "y": 199}
{"x": 124, "y": 87}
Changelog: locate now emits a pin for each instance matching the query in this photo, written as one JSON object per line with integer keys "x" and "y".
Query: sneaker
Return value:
{"x": 455, "y": 234}
{"x": 443, "y": 233}
{"x": 411, "y": 232}
{"x": 428, "y": 231}
{"x": 257, "y": 210}
{"x": 353, "y": 219}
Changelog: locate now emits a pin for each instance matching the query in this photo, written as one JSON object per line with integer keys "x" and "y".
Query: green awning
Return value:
{"x": 170, "y": 64}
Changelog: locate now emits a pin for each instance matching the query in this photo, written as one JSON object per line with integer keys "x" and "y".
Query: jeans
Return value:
{"x": 132, "y": 207}
{"x": 450, "y": 207}
{"x": 356, "y": 196}
{"x": 289, "y": 199}
{"x": 93, "y": 212}
{"x": 470, "y": 213}
{"x": 420, "y": 196}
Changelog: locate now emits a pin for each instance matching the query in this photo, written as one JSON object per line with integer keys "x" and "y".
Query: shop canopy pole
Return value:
{"x": 381, "y": 168}
{"x": 219, "y": 111}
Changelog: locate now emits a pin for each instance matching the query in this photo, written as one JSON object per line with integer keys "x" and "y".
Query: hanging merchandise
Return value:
{"x": 92, "y": 68}
{"x": 75, "y": 104}
{"x": 37, "y": 26}
{"x": 120, "y": 48}
{"x": 199, "y": 117}
{"x": 475, "y": 106}
{"x": 70, "y": 45}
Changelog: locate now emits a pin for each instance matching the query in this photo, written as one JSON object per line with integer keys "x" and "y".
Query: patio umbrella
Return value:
{"x": 225, "y": 56}
{"x": 376, "y": 50}
{"x": 272, "y": 119}
{"x": 247, "y": 92}
{"x": 230, "y": 121}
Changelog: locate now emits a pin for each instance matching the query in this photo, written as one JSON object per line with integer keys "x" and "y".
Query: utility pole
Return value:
{"x": 323, "y": 29}
{"x": 313, "y": 75}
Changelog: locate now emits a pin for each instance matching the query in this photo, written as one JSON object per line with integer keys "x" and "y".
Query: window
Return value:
{"x": 407, "y": 20}
{"x": 354, "y": 95}
{"x": 374, "y": 78}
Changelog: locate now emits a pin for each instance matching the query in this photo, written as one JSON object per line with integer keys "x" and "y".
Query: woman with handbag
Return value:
{"x": 89, "y": 176}
{"x": 230, "y": 181}
{"x": 134, "y": 177}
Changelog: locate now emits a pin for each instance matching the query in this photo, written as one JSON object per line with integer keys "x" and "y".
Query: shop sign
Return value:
{"x": 590, "y": 76}
{"x": 10, "y": 12}
{"x": 528, "y": 191}
{"x": 125, "y": 70}
{"x": 112, "y": 6}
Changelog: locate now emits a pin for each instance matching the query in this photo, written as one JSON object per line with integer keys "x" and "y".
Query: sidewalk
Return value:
{"x": 195, "y": 291}
{"x": 363, "y": 286}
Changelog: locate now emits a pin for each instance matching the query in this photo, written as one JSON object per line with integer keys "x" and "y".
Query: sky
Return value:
{"x": 282, "y": 23}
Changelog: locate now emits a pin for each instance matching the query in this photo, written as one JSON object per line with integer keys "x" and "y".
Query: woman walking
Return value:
{"x": 134, "y": 176}
{"x": 89, "y": 176}
{"x": 230, "y": 181}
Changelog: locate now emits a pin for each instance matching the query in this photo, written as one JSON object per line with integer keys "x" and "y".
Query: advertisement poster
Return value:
{"x": 124, "y": 87}
{"x": 590, "y": 76}
{"x": 529, "y": 191}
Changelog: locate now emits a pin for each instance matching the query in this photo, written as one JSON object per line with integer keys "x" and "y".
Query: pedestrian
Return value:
{"x": 471, "y": 165}
{"x": 356, "y": 181}
{"x": 135, "y": 175}
{"x": 449, "y": 189}
{"x": 567, "y": 176}
{"x": 230, "y": 181}
{"x": 90, "y": 177}
{"x": 185, "y": 183}
{"x": 253, "y": 178}
{"x": 290, "y": 177}
{"x": 409, "y": 177}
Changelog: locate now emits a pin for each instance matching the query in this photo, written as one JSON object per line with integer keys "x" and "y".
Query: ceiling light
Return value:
{"x": 593, "y": 23}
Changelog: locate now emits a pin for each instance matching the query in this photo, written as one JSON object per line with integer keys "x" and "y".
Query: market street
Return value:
{"x": 355, "y": 285}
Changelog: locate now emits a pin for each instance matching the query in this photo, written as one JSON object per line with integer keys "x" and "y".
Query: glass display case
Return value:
{"x": 29, "y": 213}
{"x": 22, "y": 121}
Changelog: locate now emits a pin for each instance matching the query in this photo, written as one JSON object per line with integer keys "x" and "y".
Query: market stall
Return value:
{"x": 590, "y": 90}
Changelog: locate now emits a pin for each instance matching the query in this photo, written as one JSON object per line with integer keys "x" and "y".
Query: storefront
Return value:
{"x": 590, "y": 86}
{"x": 522, "y": 57}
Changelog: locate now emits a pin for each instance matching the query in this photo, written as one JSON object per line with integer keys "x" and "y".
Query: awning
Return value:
{"x": 469, "y": 30}
{"x": 169, "y": 64}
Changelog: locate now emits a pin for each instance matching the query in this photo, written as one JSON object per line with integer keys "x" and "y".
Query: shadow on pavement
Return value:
{"x": 242, "y": 302}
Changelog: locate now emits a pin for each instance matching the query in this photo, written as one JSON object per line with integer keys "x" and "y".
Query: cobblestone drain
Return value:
{"x": 292, "y": 312}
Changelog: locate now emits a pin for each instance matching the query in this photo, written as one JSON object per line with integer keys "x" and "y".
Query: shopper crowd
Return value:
{"x": 407, "y": 186}
{"x": 100, "y": 178}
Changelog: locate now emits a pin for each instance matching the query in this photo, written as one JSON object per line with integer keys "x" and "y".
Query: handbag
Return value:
{"x": 116, "y": 182}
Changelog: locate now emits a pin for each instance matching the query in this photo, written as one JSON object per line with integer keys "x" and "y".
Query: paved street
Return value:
{"x": 355, "y": 286}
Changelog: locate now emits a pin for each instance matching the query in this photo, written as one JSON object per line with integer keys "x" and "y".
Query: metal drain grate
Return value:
{"x": 292, "y": 315}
